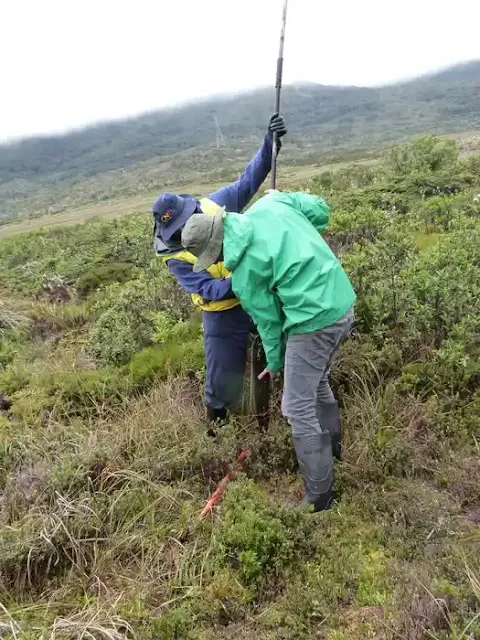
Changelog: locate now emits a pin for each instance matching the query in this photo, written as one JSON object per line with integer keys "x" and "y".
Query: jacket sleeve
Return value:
{"x": 203, "y": 283}
{"x": 235, "y": 197}
{"x": 264, "y": 308}
{"x": 314, "y": 208}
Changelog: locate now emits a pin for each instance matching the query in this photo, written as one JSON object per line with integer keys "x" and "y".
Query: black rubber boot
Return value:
{"x": 328, "y": 415}
{"x": 324, "y": 502}
{"x": 314, "y": 455}
{"x": 215, "y": 418}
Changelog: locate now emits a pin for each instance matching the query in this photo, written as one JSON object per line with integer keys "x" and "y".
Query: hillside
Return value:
{"x": 105, "y": 462}
{"x": 47, "y": 175}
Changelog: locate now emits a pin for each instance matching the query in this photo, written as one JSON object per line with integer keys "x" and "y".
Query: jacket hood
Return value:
{"x": 237, "y": 235}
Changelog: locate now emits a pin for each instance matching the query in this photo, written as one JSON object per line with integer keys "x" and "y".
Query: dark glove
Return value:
{"x": 277, "y": 125}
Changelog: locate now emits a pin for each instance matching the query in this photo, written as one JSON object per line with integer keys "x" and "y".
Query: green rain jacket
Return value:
{"x": 283, "y": 272}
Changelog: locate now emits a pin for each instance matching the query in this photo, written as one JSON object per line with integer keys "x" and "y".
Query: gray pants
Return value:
{"x": 309, "y": 404}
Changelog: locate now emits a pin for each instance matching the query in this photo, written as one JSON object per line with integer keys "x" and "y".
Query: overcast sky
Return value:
{"x": 67, "y": 63}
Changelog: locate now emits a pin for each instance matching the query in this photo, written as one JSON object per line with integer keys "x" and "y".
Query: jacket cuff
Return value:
{"x": 274, "y": 363}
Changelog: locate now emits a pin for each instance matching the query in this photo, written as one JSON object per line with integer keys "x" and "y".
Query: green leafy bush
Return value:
{"x": 169, "y": 359}
{"x": 360, "y": 226}
{"x": 103, "y": 275}
{"x": 261, "y": 541}
{"x": 118, "y": 334}
{"x": 424, "y": 153}
{"x": 124, "y": 323}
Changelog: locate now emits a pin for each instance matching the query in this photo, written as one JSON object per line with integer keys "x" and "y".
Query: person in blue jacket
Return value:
{"x": 226, "y": 326}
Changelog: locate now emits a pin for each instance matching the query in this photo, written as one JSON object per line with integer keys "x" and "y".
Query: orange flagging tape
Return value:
{"x": 215, "y": 497}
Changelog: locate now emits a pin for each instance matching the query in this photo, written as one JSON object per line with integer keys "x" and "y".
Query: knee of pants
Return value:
{"x": 302, "y": 417}
{"x": 296, "y": 406}
{"x": 302, "y": 427}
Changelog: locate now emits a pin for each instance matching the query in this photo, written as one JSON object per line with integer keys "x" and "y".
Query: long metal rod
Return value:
{"x": 278, "y": 88}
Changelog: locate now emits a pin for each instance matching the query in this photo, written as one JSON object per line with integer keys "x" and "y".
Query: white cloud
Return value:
{"x": 65, "y": 64}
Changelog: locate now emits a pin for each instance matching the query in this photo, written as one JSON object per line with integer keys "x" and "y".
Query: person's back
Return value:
{"x": 301, "y": 268}
{"x": 283, "y": 270}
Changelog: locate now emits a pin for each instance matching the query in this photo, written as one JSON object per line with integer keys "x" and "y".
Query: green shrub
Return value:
{"x": 118, "y": 334}
{"x": 180, "y": 353}
{"x": 438, "y": 212}
{"x": 423, "y": 153}
{"x": 79, "y": 392}
{"x": 12, "y": 342}
{"x": 360, "y": 226}
{"x": 102, "y": 275}
{"x": 259, "y": 540}
{"x": 175, "y": 624}
{"x": 131, "y": 317}
{"x": 74, "y": 393}
{"x": 168, "y": 329}
{"x": 13, "y": 379}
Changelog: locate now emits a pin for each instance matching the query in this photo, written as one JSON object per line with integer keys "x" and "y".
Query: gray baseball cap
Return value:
{"x": 202, "y": 235}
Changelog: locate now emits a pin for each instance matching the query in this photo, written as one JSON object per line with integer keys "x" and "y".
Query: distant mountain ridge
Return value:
{"x": 320, "y": 119}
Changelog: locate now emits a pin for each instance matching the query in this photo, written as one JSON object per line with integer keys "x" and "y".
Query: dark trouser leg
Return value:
{"x": 5, "y": 404}
{"x": 215, "y": 418}
{"x": 259, "y": 397}
{"x": 225, "y": 342}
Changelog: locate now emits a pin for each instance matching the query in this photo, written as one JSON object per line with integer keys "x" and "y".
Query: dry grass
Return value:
{"x": 101, "y": 529}
{"x": 10, "y": 317}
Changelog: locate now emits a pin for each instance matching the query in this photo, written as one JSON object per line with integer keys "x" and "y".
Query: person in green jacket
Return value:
{"x": 299, "y": 296}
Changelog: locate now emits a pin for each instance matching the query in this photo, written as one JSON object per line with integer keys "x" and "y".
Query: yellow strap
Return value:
{"x": 208, "y": 206}
{"x": 214, "y": 305}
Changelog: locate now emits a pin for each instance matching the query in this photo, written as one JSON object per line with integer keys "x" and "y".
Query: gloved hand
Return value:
{"x": 277, "y": 125}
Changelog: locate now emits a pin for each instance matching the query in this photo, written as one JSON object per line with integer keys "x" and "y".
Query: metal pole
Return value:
{"x": 278, "y": 88}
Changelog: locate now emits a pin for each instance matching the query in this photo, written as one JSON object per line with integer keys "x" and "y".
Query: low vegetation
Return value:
{"x": 105, "y": 463}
